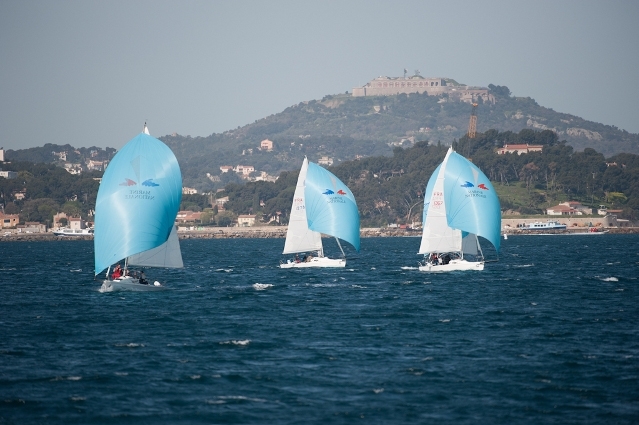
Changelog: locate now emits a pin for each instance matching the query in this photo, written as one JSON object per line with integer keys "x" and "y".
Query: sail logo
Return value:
{"x": 330, "y": 192}
{"x": 468, "y": 185}
{"x": 149, "y": 183}
{"x": 139, "y": 194}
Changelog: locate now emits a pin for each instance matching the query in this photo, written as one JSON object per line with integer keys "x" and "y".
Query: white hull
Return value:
{"x": 129, "y": 284}
{"x": 315, "y": 262}
{"x": 453, "y": 266}
{"x": 69, "y": 232}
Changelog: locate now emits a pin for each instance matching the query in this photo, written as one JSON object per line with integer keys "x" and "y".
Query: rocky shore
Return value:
{"x": 271, "y": 232}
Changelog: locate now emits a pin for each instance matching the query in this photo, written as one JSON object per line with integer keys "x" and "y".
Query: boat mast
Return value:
{"x": 340, "y": 247}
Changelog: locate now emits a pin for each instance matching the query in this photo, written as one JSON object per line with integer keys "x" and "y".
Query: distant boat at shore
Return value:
{"x": 65, "y": 231}
{"x": 544, "y": 225}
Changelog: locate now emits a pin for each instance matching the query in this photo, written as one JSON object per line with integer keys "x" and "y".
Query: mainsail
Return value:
{"x": 299, "y": 238}
{"x": 137, "y": 202}
{"x": 166, "y": 255}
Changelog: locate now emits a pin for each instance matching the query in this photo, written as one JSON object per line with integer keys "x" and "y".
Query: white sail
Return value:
{"x": 437, "y": 236}
{"x": 166, "y": 255}
{"x": 470, "y": 245}
{"x": 299, "y": 238}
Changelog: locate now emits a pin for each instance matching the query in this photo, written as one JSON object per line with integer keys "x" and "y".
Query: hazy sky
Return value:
{"x": 89, "y": 73}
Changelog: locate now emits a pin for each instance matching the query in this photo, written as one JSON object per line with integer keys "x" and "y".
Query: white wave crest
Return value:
{"x": 409, "y": 268}
{"x": 237, "y": 342}
{"x": 262, "y": 286}
{"x": 609, "y": 279}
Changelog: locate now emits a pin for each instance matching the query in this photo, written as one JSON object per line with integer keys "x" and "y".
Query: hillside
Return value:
{"x": 343, "y": 128}
{"x": 389, "y": 189}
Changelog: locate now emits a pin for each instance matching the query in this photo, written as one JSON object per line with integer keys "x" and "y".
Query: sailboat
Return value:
{"x": 322, "y": 204}
{"x": 460, "y": 204}
{"x": 135, "y": 211}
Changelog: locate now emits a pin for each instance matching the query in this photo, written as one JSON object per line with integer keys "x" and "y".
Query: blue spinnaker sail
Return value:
{"x": 330, "y": 206}
{"x": 472, "y": 205}
{"x": 137, "y": 202}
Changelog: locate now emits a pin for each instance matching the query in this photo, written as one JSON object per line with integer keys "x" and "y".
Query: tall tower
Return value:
{"x": 472, "y": 125}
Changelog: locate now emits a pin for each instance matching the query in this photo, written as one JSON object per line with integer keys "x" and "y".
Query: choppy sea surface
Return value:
{"x": 548, "y": 334}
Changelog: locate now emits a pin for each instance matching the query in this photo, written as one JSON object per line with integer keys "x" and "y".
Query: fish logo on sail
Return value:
{"x": 341, "y": 192}
{"x": 149, "y": 183}
{"x": 468, "y": 184}
{"x": 128, "y": 182}
{"x": 483, "y": 186}
{"x": 328, "y": 192}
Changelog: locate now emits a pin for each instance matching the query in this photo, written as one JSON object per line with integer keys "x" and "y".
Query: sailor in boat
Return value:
{"x": 117, "y": 272}
{"x": 142, "y": 279}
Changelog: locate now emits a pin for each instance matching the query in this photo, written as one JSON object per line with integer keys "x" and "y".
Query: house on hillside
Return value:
{"x": 244, "y": 170}
{"x": 569, "y": 208}
{"x": 8, "y": 174}
{"x": 219, "y": 202}
{"x": 188, "y": 217}
{"x": 246, "y": 220}
{"x": 95, "y": 165}
{"x": 266, "y": 145}
{"x": 9, "y": 220}
{"x": 325, "y": 160}
{"x": 519, "y": 149}
{"x": 188, "y": 191}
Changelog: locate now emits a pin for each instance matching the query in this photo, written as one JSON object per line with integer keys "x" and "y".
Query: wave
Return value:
{"x": 236, "y": 342}
{"x": 262, "y": 286}
{"x": 409, "y": 268}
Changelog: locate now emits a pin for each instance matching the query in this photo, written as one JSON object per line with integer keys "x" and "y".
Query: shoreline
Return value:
{"x": 280, "y": 233}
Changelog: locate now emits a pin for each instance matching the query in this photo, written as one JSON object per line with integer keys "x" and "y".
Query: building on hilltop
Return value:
{"x": 389, "y": 86}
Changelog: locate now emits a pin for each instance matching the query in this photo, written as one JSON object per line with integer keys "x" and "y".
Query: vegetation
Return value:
{"x": 47, "y": 190}
{"x": 388, "y": 189}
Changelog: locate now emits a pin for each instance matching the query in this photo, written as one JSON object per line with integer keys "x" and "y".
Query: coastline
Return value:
{"x": 279, "y": 232}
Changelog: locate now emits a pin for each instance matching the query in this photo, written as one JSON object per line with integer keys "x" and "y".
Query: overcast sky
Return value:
{"x": 90, "y": 73}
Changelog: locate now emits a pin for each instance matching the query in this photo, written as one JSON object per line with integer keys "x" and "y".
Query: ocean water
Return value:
{"x": 549, "y": 334}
